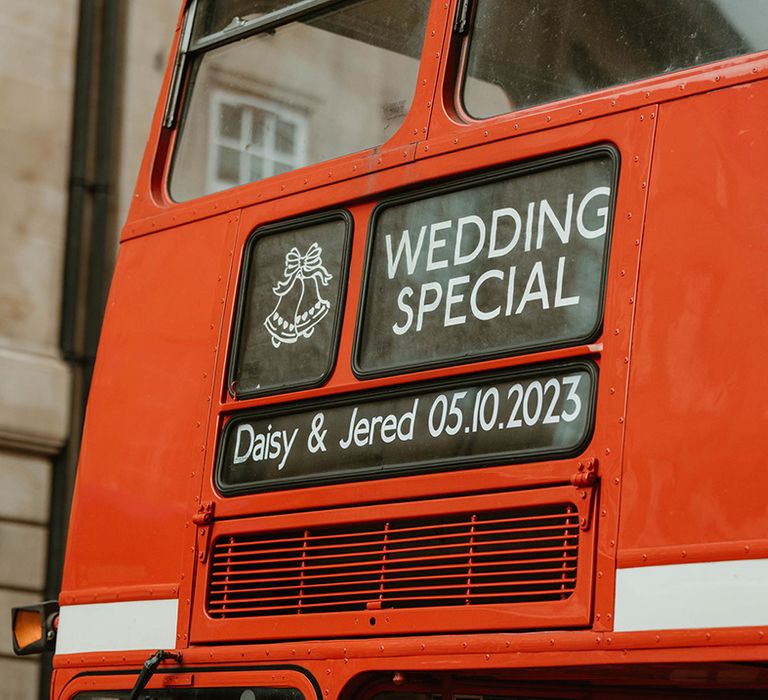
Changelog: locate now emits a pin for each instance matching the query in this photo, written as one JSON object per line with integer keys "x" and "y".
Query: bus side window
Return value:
{"x": 523, "y": 53}
{"x": 269, "y": 89}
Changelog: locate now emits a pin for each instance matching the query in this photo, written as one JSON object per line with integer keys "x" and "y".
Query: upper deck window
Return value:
{"x": 525, "y": 53}
{"x": 272, "y": 86}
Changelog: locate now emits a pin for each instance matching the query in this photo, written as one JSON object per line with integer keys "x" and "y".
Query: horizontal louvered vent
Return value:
{"x": 499, "y": 557}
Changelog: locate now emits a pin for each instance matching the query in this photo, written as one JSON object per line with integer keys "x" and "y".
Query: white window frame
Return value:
{"x": 267, "y": 151}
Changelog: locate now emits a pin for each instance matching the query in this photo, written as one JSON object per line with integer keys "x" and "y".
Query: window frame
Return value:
{"x": 275, "y": 110}
{"x": 463, "y": 26}
{"x": 189, "y": 59}
{"x": 189, "y": 49}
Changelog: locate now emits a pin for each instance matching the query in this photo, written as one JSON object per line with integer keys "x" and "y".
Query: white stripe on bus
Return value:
{"x": 692, "y": 596}
{"x": 124, "y": 626}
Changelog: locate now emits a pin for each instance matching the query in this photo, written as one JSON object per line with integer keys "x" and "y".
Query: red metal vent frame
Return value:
{"x": 573, "y": 611}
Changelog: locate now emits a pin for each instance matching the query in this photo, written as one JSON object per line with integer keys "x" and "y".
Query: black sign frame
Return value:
{"x": 408, "y": 469}
{"x": 523, "y": 168}
{"x": 242, "y": 294}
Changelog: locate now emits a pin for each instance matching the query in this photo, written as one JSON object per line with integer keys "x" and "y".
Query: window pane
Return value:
{"x": 528, "y": 52}
{"x": 258, "y": 126}
{"x": 230, "y": 119}
{"x": 257, "y": 168}
{"x": 289, "y": 312}
{"x": 228, "y": 164}
{"x": 285, "y": 136}
{"x": 332, "y": 84}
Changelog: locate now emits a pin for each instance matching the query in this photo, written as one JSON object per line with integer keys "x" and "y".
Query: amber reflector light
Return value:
{"x": 496, "y": 557}
{"x": 27, "y": 627}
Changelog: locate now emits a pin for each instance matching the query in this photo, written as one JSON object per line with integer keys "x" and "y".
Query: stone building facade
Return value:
{"x": 40, "y": 384}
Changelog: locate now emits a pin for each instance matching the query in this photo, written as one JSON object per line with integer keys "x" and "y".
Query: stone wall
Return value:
{"x": 36, "y": 81}
{"x": 37, "y": 73}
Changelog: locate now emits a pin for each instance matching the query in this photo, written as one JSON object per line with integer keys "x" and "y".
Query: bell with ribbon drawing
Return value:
{"x": 300, "y": 307}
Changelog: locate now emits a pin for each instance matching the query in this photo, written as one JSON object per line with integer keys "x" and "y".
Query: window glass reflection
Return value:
{"x": 529, "y": 52}
{"x": 306, "y": 92}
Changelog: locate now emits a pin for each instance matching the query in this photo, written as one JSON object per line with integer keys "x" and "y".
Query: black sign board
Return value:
{"x": 500, "y": 264}
{"x": 494, "y": 418}
{"x": 289, "y": 306}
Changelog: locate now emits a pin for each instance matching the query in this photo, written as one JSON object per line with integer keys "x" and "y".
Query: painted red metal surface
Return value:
{"x": 678, "y": 437}
{"x": 699, "y": 381}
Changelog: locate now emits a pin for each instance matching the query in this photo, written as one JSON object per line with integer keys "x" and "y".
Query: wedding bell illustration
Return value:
{"x": 300, "y": 307}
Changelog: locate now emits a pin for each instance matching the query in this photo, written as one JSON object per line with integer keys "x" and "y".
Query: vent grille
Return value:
{"x": 494, "y": 557}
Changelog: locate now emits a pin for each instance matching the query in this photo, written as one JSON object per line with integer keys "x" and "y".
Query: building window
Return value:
{"x": 251, "y": 139}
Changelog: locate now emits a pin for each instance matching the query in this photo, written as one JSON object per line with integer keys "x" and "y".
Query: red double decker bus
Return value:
{"x": 433, "y": 364}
